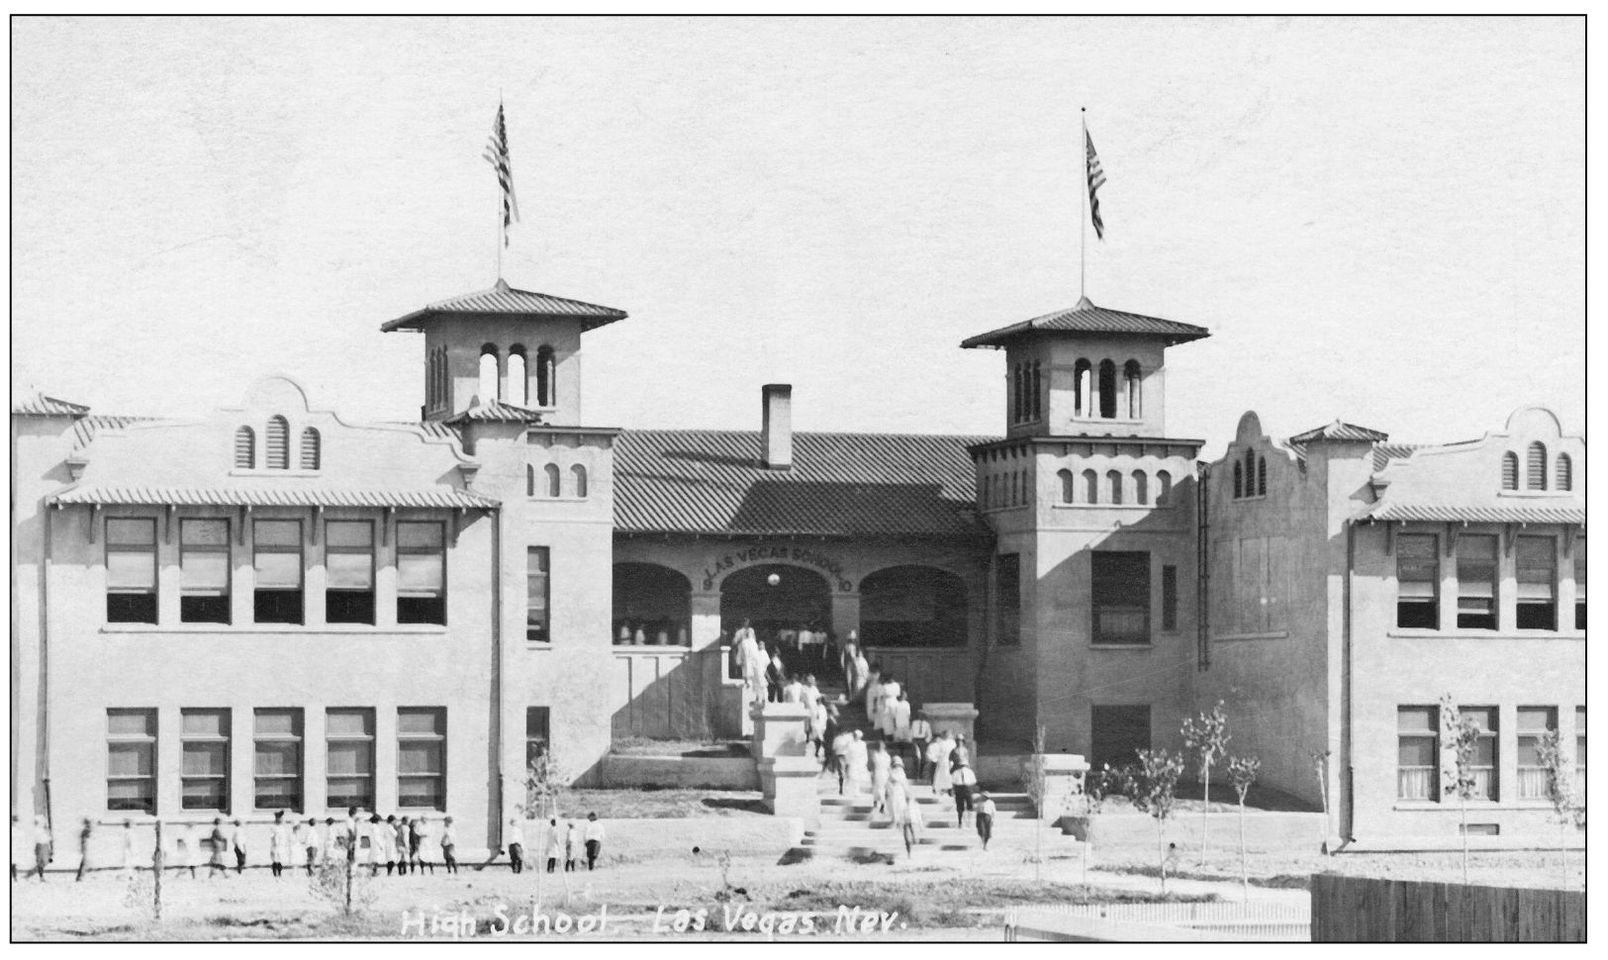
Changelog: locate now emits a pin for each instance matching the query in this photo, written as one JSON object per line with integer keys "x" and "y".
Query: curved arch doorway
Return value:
{"x": 779, "y": 600}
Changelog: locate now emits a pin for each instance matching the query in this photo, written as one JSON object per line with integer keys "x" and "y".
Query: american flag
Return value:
{"x": 1096, "y": 180}
{"x": 497, "y": 155}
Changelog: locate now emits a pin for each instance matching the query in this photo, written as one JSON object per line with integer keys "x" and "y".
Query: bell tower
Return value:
{"x": 504, "y": 346}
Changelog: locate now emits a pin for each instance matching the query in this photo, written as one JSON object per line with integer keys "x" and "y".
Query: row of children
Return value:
{"x": 569, "y": 838}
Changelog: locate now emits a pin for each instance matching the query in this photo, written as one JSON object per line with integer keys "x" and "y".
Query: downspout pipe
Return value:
{"x": 1347, "y": 821}
{"x": 498, "y": 673}
{"x": 1203, "y": 576}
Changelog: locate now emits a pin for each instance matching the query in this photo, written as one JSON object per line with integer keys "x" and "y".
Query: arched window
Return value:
{"x": 1564, "y": 480}
{"x": 1239, "y": 480}
{"x": 1068, "y": 485}
{"x": 278, "y": 455}
{"x": 1250, "y": 473}
{"x": 1510, "y": 471}
{"x": 530, "y": 480}
{"x": 1082, "y": 373}
{"x": 245, "y": 449}
{"x": 1163, "y": 487}
{"x": 1114, "y": 481}
{"x": 518, "y": 385}
{"x": 579, "y": 472}
{"x": 1261, "y": 476}
{"x": 1141, "y": 487}
{"x": 546, "y": 378}
{"x": 311, "y": 449}
{"x": 1130, "y": 383}
{"x": 1108, "y": 390}
{"x": 1535, "y": 467}
{"x": 1091, "y": 487}
{"x": 552, "y": 480}
{"x": 488, "y": 373}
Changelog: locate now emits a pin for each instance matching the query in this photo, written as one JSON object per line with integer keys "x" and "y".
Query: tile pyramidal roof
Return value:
{"x": 1088, "y": 318}
{"x": 503, "y": 300}
{"x": 499, "y": 411}
{"x": 36, "y": 404}
{"x": 839, "y": 484}
{"x": 1340, "y": 430}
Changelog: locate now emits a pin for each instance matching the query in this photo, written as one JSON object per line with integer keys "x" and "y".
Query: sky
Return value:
{"x": 1381, "y": 221}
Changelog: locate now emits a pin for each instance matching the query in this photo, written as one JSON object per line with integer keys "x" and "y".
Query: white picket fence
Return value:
{"x": 1273, "y": 921}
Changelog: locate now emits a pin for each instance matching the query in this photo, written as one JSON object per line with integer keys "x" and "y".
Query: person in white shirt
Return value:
{"x": 910, "y": 823}
{"x": 449, "y": 845}
{"x": 985, "y": 817}
{"x": 920, "y": 737}
{"x": 793, "y": 691}
{"x": 890, "y": 694}
{"x": 873, "y": 695}
{"x": 899, "y": 712}
{"x": 750, "y": 662}
{"x": 129, "y": 866}
{"x": 896, "y": 792}
{"x": 859, "y": 767}
{"x": 279, "y": 844}
{"x": 309, "y": 844}
{"x": 880, "y": 768}
{"x": 594, "y": 841}
{"x": 555, "y": 839}
{"x": 938, "y": 755}
{"x": 572, "y": 843}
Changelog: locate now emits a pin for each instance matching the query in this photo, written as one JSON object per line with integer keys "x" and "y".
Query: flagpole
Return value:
{"x": 1083, "y": 216}
{"x": 502, "y": 218}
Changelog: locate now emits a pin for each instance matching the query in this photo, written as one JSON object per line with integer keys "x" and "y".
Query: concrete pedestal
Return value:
{"x": 790, "y": 785}
{"x": 955, "y": 717}
{"x": 1063, "y": 785}
{"x": 778, "y": 730}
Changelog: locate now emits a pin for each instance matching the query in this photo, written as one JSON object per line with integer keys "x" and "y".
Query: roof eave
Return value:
{"x": 417, "y": 319}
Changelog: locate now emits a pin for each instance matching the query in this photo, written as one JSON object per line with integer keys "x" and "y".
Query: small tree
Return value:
{"x": 1097, "y": 786}
{"x": 1242, "y": 773}
{"x": 1461, "y": 735}
{"x": 1151, "y": 786}
{"x": 1560, "y": 791}
{"x": 1208, "y": 737}
{"x": 1033, "y": 779}
{"x": 545, "y": 781}
{"x": 1320, "y": 766}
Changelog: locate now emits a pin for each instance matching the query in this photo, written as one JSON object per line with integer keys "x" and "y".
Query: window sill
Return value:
{"x": 557, "y": 499}
{"x": 652, "y": 648}
{"x": 1122, "y": 646}
{"x": 1112, "y": 506}
{"x": 1231, "y": 637}
{"x": 1409, "y": 633}
{"x": 335, "y": 629}
{"x": 265, "y": 472}
{"x": 1450, "y": 805}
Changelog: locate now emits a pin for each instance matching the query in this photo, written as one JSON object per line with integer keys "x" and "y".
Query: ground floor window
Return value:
{"x": 1417, "y": 753}
{"x": 277, "y": 759}
{"x": 421, "y": 757}
{"x": 1484, "y": 760}
{"x": 538, "y": 734}
{"x": 349, "y": 749}
{"x": 131, "y": 760}
{"x": 1118, "y": 733}
{"x": 1533, "y": 723}
{"x": 1580, "y": 754}
{"x": 205, "y": 779}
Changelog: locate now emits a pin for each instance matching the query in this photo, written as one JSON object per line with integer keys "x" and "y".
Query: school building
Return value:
{"x": 272, "y": 607}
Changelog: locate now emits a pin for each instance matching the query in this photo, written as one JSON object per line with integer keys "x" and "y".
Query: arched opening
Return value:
{"x": 1261, "y": 476}
{"x": 1108, "y": 390}
{"x": 1068, "y": 486}
{"x": 312, "y": 450}
{"x": 1239, "y": 480}
{"x": 1141, "y": 487}
{"x": 1081, "y": 375}
{"x": 1131, "y": 388}
{"x": 488, "y": 373}
{"x": 651, "y": 605}
{"x": 1114, "y": 482}
{"x": 546, "y": 378}
{"x": 1091, "y": 487}
{"x": 1163, "y": 487}
{"x": 579, "y": 473}
{"x": 552, "y": 480}
{"x": 777, "y": 600}
{"x": 278, "y": 455}
{"x": 913, "y": 606}
{"x": 1565, "y": 473}
{"x": 1535, "y": 468}
{"x": 518, "y": 385}
{"x": 245, "y": 449}
{"x": 1510, "y": 471}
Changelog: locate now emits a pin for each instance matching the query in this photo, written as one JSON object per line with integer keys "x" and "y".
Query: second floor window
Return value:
{"x": 1580, "y": 583}
{"x": 349, "y": 562}
{"x": 277, "y": 559}
{"x": 537, "y": 595}
{"x": 204, "y": 571}
{"x": 1537, "y": 574}
{"x": 1417, "y": 581}
{"x": 130, "y": 570}
{"x": 1120, "y": 597}
{"x": 421, "y": 573}
{"x": 1009, "y": 578}
{"x": 1476, "y": 583}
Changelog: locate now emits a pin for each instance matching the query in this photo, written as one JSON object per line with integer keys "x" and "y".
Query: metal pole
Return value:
{"x": 1083, "y": 216}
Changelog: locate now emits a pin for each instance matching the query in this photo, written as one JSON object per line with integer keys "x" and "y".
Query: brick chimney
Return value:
{"x": 778, "y": 425}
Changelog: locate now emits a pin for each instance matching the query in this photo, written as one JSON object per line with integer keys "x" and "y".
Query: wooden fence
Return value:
{"x": 1217, "y": 920}
{"x": 1370, "y": 910}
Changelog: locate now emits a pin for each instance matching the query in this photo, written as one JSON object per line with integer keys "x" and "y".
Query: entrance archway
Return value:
{"x": 650, "y": 605}
{"x": 778, "y": 601}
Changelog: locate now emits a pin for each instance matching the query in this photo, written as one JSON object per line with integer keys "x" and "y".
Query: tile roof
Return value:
{"x": 1385, "y": 452}
{"x": 84, "y": 430}
{"x": 1339, "y": 430}
{"x": 38, "y": 405}
{"x": 1088, "y": 318}
{"x": 849, "y": 484}
{"x": 505, "y": 300}
{"x": 1504, "y": 513}
{"x": 497, "y": 411}
{"x": 298, "y": 496}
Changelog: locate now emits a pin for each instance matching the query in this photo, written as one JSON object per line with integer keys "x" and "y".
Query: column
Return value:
{"x": 845, "y": 615}
{"x": 704, "y": 609}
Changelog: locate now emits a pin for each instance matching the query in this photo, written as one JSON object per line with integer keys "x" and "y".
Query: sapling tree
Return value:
{"x": 1560, "y": 792}
{"x": 1033, "y": 779}
{"x": 544, "y": 786}
{"x": 1097, "y": 786}
{"x": 1208, "y": 737}
{"x": 1152, "y": 786}
{"x": 1242, "y": 773}
{"x": 1320, "y": 766}
{"x": 1460, "y": 735}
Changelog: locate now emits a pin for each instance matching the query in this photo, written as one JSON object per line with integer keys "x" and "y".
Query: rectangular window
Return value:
{"x": 1484, "y": 760}
{"x": 131, "y": 760}
{"x": 204, "y": 778}
{"x": 1169, "y": 597}
{"x": 537, "y": 733}
{"x": 421, "y": 757}
{"x": 1580, "y": 754}
{"x": 349, "y": 571}
{"x": 1476, "y": 583}
{"x": 1417, "y": 753}
{"x": 421, "y": 573}
{"x": 1009, "y": 574}
{"x": 1120, "y": 597}
{"x": 204, "y": 571}
{"x": 538, "y": 595}
{"x": 1418, "y": 581}
{"x": 1533, "y": 723}
{"x": 1537, "y": 569}
{"x": 277, "y": 767}
{"x": 349, "y": 746}
{"x": 1580, "y": 583}
{"x": 277, "y": 559}
{"x": 130, "y": 570}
